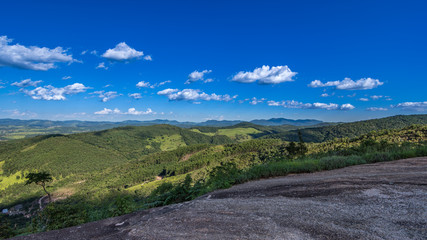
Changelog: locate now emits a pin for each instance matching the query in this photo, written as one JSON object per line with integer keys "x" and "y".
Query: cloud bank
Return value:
{"x": 130, "y": 111}
{"x": 348, "y": 84}
{"x": 193, "y": 95}
{"x": 317, "y": 105}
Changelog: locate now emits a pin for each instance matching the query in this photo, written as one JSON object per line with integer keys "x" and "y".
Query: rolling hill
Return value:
{"x": 350, "y": 130}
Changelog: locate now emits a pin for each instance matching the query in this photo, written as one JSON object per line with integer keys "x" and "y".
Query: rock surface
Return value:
{"x": 374, "y": 201}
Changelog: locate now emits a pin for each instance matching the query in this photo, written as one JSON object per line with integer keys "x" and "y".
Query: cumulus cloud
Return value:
{"x": 348, "y": 84}
{"x": 148, "y": 58}
{"x": 122, "y": 52}
{"x": 52, "y": 93}
{"x": 193, "y": 95}
{"x": 1, "y": 83}
{"x": 374, "y": 109}
{"x": 32, "y": 57}
{"x": 66, "y": 77}
{"x": 135, "y": 95}
{"x": 101, "y": 65}
{"x": 106, "y": 96}
{"x": 26, "y": 83}
{"x": 130, "y": 111}
{"x": 317, "y": 105}
{"x": 143, "y": 84}
{"x": 196, "y": 76}
{"x": 324, "y": 95}
{"x": 412, "y": 106}
{"x": 363, "y": 99}
{"x": 266, "y": 75}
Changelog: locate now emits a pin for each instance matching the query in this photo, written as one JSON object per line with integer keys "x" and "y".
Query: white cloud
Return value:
{"x": 133, "y": 111}
{"x": 373, "y": 109}
{"x": 83, "y": 52}
{"x": 52, "y": 93}
{"x": 163, "y": 83}
{"x": 255, "y": 101}
{"x": 102, "y": 65}
{"x": 414, "y": 106}
{"x": 122, "y": 52}
{"x": 193, "y": 95}
{"x": 363, "y": 99}
{"x": 66, "y": 77}
{"x": 26, "y": 83}
{"x": 148, "y": 58}
{"x": 106, "y": 96}
{"x": 17, "y": 113}
{"x": 135, "y": 95}
{"x": 130, "y": 111}
{"x": 317, "y": 105}
{"x": 266, "y": 75}
{"x": 32, "y": 57}
{"x": 376, "y": 97}
{"x": 108, "y": 111}
{"x": 324, "y": 95}
{"x": 143, "y": 84}
{"x": 167, "y": 91}
{"x": 94, "y": 52}
{"x": 348, "y": 84}
{"x": 196, "y": 76}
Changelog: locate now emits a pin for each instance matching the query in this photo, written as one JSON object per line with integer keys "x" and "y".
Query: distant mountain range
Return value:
{"x": 104, "y": 124}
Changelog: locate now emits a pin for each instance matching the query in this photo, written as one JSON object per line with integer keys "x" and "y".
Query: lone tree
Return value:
{"x": 41, "y": 179}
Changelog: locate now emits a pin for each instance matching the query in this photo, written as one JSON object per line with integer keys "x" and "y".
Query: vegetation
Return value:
{"x": 40, "y": 179}
{"x": 112, "y": 172}
{"x": 351, "y": 130}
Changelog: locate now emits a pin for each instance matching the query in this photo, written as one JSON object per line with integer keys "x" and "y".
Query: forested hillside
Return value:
{"x": 351, "y": 130}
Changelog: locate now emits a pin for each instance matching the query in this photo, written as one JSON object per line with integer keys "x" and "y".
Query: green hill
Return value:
{"x": 350, "y": 130}
{"x": 105, "y": 173}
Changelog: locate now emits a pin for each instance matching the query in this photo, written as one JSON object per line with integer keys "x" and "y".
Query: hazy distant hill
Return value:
{"x": 16, "y": 129}
{"x": 284, "y": 121}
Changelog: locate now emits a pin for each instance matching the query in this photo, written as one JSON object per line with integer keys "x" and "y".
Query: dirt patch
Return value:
{"x": 373, "y": 201}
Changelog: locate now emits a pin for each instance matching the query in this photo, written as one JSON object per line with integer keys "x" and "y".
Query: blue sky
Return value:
{"x": 200, "y": 60}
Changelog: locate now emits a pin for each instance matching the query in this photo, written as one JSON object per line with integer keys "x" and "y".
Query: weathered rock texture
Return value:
{"x": 374, "y": 201}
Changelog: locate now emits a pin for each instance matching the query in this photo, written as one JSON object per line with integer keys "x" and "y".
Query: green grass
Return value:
{"x": 7, "y": 181}
{"x": 169, "y": 142}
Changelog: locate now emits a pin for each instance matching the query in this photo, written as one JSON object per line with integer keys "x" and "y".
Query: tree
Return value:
{"x": 41, "y": 179}
{"x": 292, "y": 149}
{"x": 302, "y": 148}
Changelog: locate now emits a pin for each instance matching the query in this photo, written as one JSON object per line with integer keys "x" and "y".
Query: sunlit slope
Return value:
{"x": 86, "y": 152}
